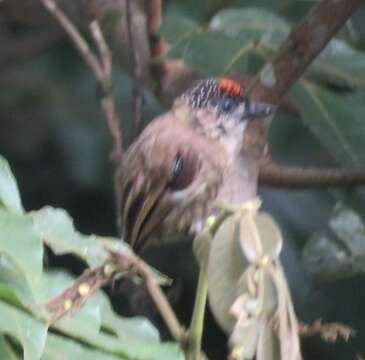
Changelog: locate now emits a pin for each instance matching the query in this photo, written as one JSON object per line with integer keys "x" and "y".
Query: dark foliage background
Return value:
{"x": 53, "y": 134}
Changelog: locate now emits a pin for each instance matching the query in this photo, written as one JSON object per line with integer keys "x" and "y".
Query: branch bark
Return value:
{"x": 121, "y": 261}
{"x": 30, "y": 13}
{"x": 301, "y": 47}
{"x": 138, "y": 99}
{"x": 100, "y": 64}
{"x": 293, "y": 177}
{"x": 293, "y": 57}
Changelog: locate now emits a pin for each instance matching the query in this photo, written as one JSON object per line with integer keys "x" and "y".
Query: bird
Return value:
{"x": 185, "y": 161}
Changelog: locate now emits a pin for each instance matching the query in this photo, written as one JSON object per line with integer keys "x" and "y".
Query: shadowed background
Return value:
{"x": 53, "y": 134}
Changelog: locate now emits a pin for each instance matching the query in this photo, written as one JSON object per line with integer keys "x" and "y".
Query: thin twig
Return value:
{"x": 79, "y": 42}
{"x": 293, "y": 177}
{"x": 193, "y": 345}
{"x": 137, "y": 72}
{"x": 195, "y": 334}
{"x": 105, "y": 56}
{"x": 154, "y": 18}
{"x": 107, "y": 99}
{"x": 158, "y": 47}
{"x": 103, "y": 49}
{"x": 121, "y": 261}
{"x": 108, "y": 106}
{"x": 100, "y": 65}
{"x": 144, "y": 270}
{"x": 74, "y": 297}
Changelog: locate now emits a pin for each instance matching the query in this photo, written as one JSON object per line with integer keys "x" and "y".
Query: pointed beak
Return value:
{"x": 257, "y": 109}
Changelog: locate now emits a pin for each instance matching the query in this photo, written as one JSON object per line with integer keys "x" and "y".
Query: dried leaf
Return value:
{"x": 246, "y": 334}
{"x": 329, "y": 332}
{"x": 260, "y": 236}
{"x": 226, "y": 264}
{"x": 268, "y": 347}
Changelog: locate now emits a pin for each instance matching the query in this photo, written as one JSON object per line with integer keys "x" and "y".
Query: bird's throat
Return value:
{"x": 239, "y": 181}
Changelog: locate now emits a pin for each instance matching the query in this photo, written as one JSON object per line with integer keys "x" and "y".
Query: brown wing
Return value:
{"x": 163, "y": 160}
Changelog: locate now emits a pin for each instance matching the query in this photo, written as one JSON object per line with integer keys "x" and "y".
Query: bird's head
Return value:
{"x": 220, "y": 110}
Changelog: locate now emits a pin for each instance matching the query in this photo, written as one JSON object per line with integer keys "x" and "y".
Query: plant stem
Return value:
{"x": 162, "y": 304}
{"x": 195, "y": 333}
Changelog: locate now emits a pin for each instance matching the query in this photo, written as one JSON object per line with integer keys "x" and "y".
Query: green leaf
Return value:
{"x": 14, "y": 287}
{"x": 176, "y": 29}
{"x": 134, "y": 341}
{"x": 127, "y": 329}
{"x": 56, "y": 229}
{"x": 96, "y": 313}
{"x": 341, "y": 64}
{"x": 350, "y": 229}
{"x": 21, "y": 244}
{"x": 9, "y": 194}
{"x": 58, "y": 347}
{"x": 23, "y": 283}
{"x": 30, "y": 332}
{"x": 6, "y": 351}
{"x": 246, "y": 36}
{"x": 337, "y": 121}
{"x": 262, "y": 24}
{"x": 238, "y": 55}
{"x": 134, "y": 338}
{"x": 323, "y": 259}
{"x": 152, "y": 351}
{"x": 199, "y": 10}
{"x": 339, "y": 254}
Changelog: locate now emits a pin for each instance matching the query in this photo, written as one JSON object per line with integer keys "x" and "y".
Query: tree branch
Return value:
{"x": 137, "y": 72}
{"x": 100, "y": 65}
{"x": 79, "y": 42}
{"x": 301, "y": 47}
{"x": 154, "y": 11}
{"x": 293, "y": 177}
{"x": 135, "y": 264}
{"x": 74, "y": 297}
{"x": 121, "y": 261}
{"x": 290, "y": 61}
{"x": 292, "y": 58}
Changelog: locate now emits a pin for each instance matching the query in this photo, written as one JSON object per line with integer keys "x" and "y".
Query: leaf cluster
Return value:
{"x": 95, "y": 331}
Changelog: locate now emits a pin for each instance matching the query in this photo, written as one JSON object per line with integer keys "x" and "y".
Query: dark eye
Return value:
{"x": 228, "y": 104}
{"x": 181, "y": 175}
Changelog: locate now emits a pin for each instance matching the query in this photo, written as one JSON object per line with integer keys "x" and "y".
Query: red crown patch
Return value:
{"x": 230, "y": 87}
